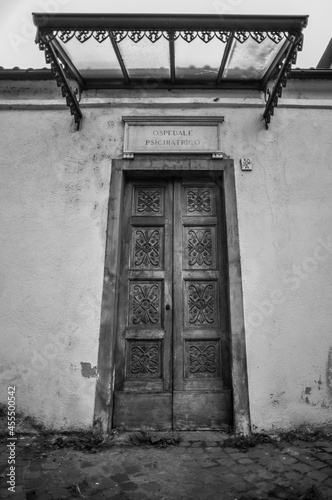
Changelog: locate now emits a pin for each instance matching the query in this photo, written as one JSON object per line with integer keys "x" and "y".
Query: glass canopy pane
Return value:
{"x": 197, "y": 59}
{"x": 92, "y": 58}
{"x": 250, "y": 60}
{"x": 146, "y": 59}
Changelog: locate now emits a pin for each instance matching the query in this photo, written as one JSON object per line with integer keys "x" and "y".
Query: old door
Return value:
{"x": 172, "y": 351}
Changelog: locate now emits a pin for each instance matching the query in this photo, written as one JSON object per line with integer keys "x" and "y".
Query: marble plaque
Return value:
{"x": 151, "y": 135}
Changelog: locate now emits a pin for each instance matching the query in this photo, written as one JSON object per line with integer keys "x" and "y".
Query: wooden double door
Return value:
{"x": 172, "y": 357}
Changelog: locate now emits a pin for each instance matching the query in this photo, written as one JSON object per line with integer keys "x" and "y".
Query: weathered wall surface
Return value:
{"x": 54, "y": 199}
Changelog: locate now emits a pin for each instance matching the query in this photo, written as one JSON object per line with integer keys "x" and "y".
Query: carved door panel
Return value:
{"x": 143, "y": 382}
{"x": 172, "y": 354}
{"x": 201, "y": 384}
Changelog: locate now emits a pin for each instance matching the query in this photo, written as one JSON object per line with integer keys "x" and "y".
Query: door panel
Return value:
{"x": 172, "y": 362}
{"x": 143, "y": 394}
{"x": 201, "y": 399}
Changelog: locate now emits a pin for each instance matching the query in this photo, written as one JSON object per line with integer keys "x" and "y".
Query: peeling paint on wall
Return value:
{"x": 314, "y": 395}
{"x": 329, "y": 372}
{"x": 277, "y": 398}
{"x": 87, "y": 371}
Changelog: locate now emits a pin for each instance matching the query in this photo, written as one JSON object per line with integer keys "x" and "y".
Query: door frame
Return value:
{"x": 144, "y": 166}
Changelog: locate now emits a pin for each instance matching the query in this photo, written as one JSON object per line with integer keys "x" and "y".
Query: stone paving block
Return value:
{"x": 3, "y": 467}
{"x": 106, "y": 484}
{"x": 111, "y": 493}
{"x": 286, "y": 460}
{"x": 276, "y": 466}
{"x": 265, "y": 474}
{"x": 128, "y": 486}
{"x": 245, "y": 461}
{"x": 328, "y": 482}
{"x": 281, "y": 481}
{"x": 196, "y": 444}
{"x": 213, "y": 444}
{"x": 197, "y": 451}
{"x": 215, "y": 454}
{"x": 208, "y": 462}
{"x": 153, "y": 486}
{"x": 264, "y": 486}
{"x": 317, "y": 464}
{"x": 120, "y": 496}
{"x": 59, "y": 493}
{"x": 32, "y": 475}
{"x": 293, "y": 476}
{"x": 236, "y": 455}
{"x": 18, "y": 495}
{"x": 260, "y": 495}
{"x": 230, "y": 478}
{"x": 324, "y": 456}
{"x": 251, "y": 478}
{"x": 35, "y": 466}
{"x": 138, "y": 495}
{"x": 327, "y": 471}
{"x": 328, "y": 492}
{"x": 120, "y": 478}
{"x": 228, "y": 449}
{"x": 226, "y": 462}
{"x": 317, "y": 475}
{"x": 30, "y": 484}
{"x": 51, "y": 466}
{"x": 323, "y": 444}
{"x": 240, "y": 486}
{"x": 39, "y": 495}
{"x": 238, "y": 469}
{"x": 303, "y": 468}
{"x": 256, "y": 453}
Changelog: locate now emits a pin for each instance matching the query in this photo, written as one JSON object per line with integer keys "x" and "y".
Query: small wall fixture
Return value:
{"x": 245, "y": 164}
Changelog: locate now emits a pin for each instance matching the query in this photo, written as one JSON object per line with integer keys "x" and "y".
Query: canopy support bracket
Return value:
{"x": 61, "y": 79}
{"x": 272, "y": 96}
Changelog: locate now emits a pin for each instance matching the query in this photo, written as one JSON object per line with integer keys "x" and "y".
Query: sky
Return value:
{"x": 17, "y": 31}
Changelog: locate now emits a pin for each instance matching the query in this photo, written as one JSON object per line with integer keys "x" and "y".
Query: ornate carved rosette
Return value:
{"x": 147, "y": 247}
{"x": 201, "y": 303}
{"x": 202, "y": 358}
{"x": 144, "y": 360}
{"x": 145, "y": 304}
{"x": 199, "y": 201}
{"x": 200, "y": 247}
{"x": 148, "y": 201}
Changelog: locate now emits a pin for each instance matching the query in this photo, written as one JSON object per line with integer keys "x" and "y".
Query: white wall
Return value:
{"x": 54, "y": 198}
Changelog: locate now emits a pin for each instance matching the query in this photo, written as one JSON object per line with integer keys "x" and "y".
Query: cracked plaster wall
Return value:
{"x": 54, "y": 199}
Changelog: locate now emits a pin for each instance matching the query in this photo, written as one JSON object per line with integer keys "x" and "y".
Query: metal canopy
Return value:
{"x": 119, "y": 51}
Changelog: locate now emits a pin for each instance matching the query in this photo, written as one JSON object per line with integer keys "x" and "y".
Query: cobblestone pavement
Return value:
{"x": 197, "y": 468}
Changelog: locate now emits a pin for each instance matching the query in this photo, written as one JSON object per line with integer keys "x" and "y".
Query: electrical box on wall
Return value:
{"x": 245, "y": 164}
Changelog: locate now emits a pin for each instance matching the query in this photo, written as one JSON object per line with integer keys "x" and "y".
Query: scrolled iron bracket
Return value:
{"x": 44, "y": 40}
{"x": 272, "y": 95}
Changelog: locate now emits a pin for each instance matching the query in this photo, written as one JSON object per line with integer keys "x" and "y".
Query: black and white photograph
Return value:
{"x": 165, "y": 250}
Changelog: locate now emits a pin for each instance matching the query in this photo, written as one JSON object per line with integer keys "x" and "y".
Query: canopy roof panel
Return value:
{"x": 169, "y": 51}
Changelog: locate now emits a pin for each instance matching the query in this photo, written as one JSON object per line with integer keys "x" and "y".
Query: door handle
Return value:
{"x": 168, "y": 307}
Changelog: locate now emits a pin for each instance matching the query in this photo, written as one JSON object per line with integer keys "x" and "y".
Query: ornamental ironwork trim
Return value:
{"x": 154, "y": 35}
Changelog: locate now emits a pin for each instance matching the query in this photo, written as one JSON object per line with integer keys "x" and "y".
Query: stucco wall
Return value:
{"x": 54, "y": 199}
